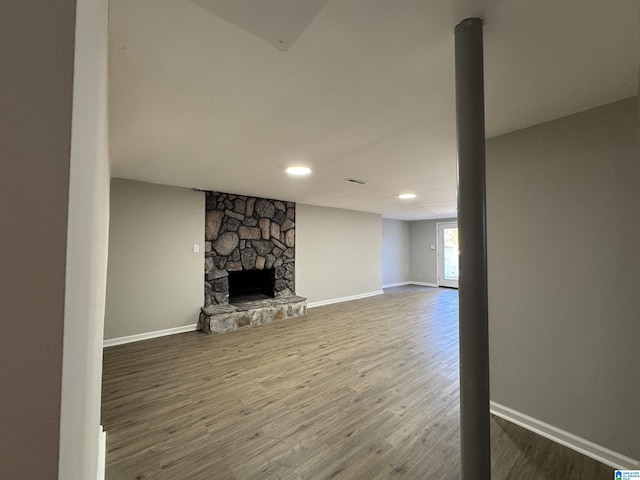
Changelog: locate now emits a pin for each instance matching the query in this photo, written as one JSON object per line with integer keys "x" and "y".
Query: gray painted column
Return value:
{"x": 474, "y": 341}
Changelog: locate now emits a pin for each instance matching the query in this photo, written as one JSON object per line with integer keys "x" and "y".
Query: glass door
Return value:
{"x": 448, "y": 253}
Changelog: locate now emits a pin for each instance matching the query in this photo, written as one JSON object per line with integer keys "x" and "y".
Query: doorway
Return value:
{"x": 448, "y": 252}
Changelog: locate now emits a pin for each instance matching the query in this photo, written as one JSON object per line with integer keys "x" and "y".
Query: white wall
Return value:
{"x": 86, "y": 266}
{"x": 564, "y": 271}
{"x": 424, "y": 266}
{"x": 155, "y": 280}
{"x": 338, "y": 253}
{"x": 396, "y": 251}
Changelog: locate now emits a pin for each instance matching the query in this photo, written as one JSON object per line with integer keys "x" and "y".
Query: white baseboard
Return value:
{"x": 411, "y": 282}
{"x": 112, "y": 342}
{"x": 344, "y": 299}
{"x": 424, "y": 284}
{"x": 397, "y": 284}
{"x": 145, "y": 336}
{"x": 580, "y": 445}
{"x": 102, "y": 454}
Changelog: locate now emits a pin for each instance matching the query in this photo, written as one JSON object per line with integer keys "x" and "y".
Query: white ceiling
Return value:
{"x": 365, "y": 91}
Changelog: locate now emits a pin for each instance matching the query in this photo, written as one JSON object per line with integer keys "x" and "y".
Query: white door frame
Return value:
{"x": 440, "y": 226}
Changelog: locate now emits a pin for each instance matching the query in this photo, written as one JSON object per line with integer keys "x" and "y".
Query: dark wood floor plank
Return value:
{"x": 359, "y": 390}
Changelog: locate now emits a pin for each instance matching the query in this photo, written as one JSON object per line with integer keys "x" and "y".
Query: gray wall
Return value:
{"x": 424, "y": 266}
{"x": 155, "y": 281}
{"x": 396, "y": 251}
{"x": 564, "y": 271}
{"x": 54, "y": 210}
{"x": 36, "y": 80}
{"x": 338, "y": 252}
{"x": 86, "y": 266}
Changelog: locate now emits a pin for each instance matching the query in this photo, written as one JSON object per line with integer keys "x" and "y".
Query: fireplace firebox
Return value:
{"x": 248, "y": 285}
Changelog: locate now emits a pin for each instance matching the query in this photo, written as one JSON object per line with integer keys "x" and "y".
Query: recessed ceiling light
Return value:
{"x": 406, "y": 196}
{"x": 298, "y": 170}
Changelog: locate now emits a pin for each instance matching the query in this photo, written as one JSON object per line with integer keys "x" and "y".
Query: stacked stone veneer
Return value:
{"x": 246, "y": 233}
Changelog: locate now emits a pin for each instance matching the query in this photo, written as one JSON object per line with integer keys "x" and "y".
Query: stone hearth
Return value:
{"x": 226, "y": 318}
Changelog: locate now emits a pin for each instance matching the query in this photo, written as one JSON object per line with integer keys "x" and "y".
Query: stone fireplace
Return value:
{"x": 249, "y": 261}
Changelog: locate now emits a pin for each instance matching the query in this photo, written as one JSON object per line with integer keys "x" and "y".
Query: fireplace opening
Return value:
{"x": 249, "y": 285}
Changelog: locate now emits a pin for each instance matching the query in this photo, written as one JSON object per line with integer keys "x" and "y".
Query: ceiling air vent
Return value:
{"x": 355, "y": 180}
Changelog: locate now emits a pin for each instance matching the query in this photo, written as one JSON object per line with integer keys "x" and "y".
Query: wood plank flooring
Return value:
{"x": 360, "y": 390}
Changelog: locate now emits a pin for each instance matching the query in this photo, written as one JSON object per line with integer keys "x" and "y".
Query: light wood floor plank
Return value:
{"x": 359, "y": 390}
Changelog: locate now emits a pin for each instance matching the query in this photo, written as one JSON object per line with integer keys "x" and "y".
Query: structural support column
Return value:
{"x": 474, "y": 338}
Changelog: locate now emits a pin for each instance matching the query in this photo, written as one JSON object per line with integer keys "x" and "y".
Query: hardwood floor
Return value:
{"x": 360, "y": 390}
